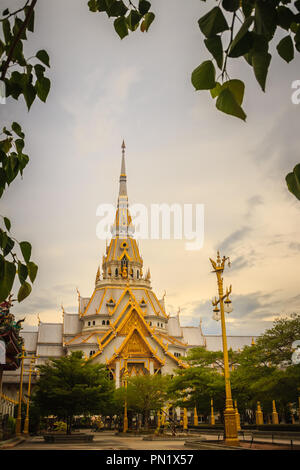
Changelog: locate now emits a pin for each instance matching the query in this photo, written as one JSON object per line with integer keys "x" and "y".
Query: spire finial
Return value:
{"x": 123, "y": 190}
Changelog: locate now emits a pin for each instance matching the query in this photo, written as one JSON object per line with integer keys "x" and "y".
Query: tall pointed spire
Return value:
{"x": 122, "y": 226}
{"x": 123, "y": 177}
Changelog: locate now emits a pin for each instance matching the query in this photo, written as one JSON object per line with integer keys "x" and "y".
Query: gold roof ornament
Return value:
{"x": 253, "y": 342}
{"x": 98, "y": 274}
{"x": 78, "y": 293}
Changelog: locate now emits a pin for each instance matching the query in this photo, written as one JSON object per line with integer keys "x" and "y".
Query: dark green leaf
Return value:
{"x": 43, "y": 56}
{"x": 17, "y": 129}
{"x": 285, "y": 17}
{"x": 121, "y": 27}
{"x": 293, "y": 181}
{"x": 237, "y": 88}
{"x": 227, "y": 103}
{"x": 26, "y": 250}
{"x": 8, "y": 272}
{"x": 6, "y": 31}
{"x": 215, "y": 47}
{"x": 243, "y": 40}
{"x": 260, "y": 63}
{"x": 42, "y": 86}
{"x": 92, "y": 4}
{"x": 133, "y": 19}
{"x": 2, "y": 47}
{"x": 148, "y": 19}
{"x": 102, "y": 6}
{"x": 39, "y": 70}
{"x": 7, "y": 223}
{"x": 19, "y": 144}
{"x": 32, "y": 270}
{"x": 118, "y": 8}
{"x": 17, "y": 26}
{"x": 22, "y": 272}
{"x": 30, "y": 25}
{"x": 204, "y": 76}
{"x": 29, "y": 93}
{"x": 266, "y": 18}
{"x": 285, "y": 49}
{"x": 7, "y": 245}
{"x": 213, "y": 22}
{"x": 144, "y": 6}
{"x": 231, "y": 5}
{"x": 24, "y": 291}
{"x": 216, "y": 91}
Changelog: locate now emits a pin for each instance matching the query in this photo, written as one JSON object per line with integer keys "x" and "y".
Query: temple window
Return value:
{"x": 94, "y": 323}
{"x": 116, "y": 272}
{"x": 138, "y": 274}
{"x": 107, "y": 322}
{"x": 89, "y": 323}
{"x": 103, "y": 322}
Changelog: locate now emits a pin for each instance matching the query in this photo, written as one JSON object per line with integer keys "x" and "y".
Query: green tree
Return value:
{"x": 196, "y": 386}
{"x": 145, "y": 394}
{"x": 265, "y": 371}
{"x": 275, "y": 344}
{"x": 72, "y": 386}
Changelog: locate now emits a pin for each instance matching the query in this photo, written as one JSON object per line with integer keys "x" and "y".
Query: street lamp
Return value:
{"x": 31, "y": 369}
{"x": 231, "y": 433}
{"x": 125, "y": 377}
{"x": 19, "y": 417}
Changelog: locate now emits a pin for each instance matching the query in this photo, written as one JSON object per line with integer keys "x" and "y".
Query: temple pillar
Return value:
{"x": 151, "y": 368}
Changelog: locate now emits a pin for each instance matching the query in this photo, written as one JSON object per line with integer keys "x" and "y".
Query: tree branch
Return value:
{"x": 15, "y": 12}
{"x": 17, "y": 38}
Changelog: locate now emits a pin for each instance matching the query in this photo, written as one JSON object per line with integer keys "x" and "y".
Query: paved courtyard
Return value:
{"x": 108, "y": 440}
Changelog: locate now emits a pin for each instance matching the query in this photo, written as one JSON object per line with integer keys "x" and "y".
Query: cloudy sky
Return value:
{"x": 180, "y": 149}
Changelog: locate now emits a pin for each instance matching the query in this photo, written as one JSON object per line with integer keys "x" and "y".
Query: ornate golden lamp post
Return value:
{"x": 195, "y": 417}
{"x": 185, "y": 419}
{"x": 125, "y": 375}
{"x": 231, "y": 434}
{"x": 212, "y": 416}
{"x": 19, "y": 417}
{"x": 26, "y": 424}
